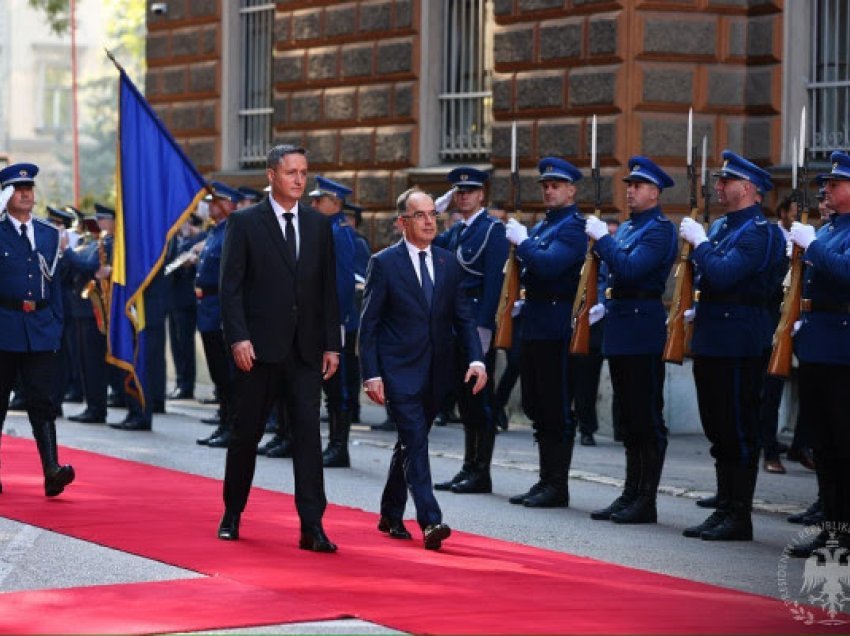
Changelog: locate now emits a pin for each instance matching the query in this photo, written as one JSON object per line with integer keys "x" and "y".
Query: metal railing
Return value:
{"x": 829, "y": 88}
{"x": 256, "y": 31}
{"x": 465, "y": 96}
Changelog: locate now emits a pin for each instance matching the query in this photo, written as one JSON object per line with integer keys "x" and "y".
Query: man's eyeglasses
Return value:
{"x": 420, "y": 215}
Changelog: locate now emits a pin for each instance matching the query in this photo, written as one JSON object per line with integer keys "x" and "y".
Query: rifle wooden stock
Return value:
{"x": 678, "y": 332}
{"x": 510, "y": 294}
{"x": 783, "y": 346}
{"x": 587, "y": 295}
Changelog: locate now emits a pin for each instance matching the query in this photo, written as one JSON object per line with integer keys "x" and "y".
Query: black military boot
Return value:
{"x": 558, "y": 456}
{"x": 643, "y": 508}
{"x": 56, "y": 477}
{"x": 220, "y": 430}
{"x": 737, "y": 525}
{"x": 470, "y": 439}
{"x": 479, "y": 481}
{"x": 536, "y": 488}
{"x": 722, "y": 507}
{"x": 708, "y": 502}
{"x": 336, "y": 454}
{"x": 630, "y": 489}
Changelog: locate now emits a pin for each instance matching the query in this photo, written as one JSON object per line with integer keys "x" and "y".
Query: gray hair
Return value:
{"x": 276, "y": 153}
{"x": 401, "y": 201}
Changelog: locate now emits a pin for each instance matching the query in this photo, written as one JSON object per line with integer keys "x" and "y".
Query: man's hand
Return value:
{"x": 330, "y": 362}
{"x": 375, "y": 390}
{"x": 597, "y": 312}
{"x": 690, "y": 315}
{"x": 692, "y": 231}
{"x": 478, "y": 372}
{"x": 515, "y": 231}
{"x": 243, "y": 355}
{"x": 801, "y": 234}
{"x": 104, "y": 272}
{"x": 595, "y": 227}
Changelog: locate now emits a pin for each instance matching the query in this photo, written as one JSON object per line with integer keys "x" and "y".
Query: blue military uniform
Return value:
{"x": 362, "y": 254}
{"x": 30, "y": 317}
{"x": 636, "y": 263}
{"x": 731, "y": 330}
{"x": 479, "y": 244}
{"x": 551, "y": 259}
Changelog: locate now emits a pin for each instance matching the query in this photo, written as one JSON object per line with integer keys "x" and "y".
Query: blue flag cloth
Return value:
{"x": 158, "y": 187}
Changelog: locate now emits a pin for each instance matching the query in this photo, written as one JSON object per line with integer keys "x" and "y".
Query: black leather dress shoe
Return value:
{"x": 394, "y": 527}
{"x": 435, "y": 534}
{"x": 88, "y": 417}
{"x": 55, "y": 482}
{"x": 209, "y": 400}
{"x": 132, "y": 424}
{"x": 228, "y": 529}
{"x": 115, "y": 401}
{"x": 386, "y": 425}
{"x": 274, "y": 441}
{"x": 284, "y": 449}
{"x": 313, "y": 538}
{"x": 587, "y": 439}
{"x": 215, "y": 420}
{"x": 17, "y": 403}
{"x": 73, "y": 397}
{"x": 220, "y": 441}
{"x": 181, "y": 394}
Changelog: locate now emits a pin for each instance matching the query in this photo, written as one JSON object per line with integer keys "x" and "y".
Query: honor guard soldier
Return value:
{"x": 250, "y": 196}
{"x": 551, "y": 260}
{"x": 329, "y": 198}
{"x": 30, "y": 315}
{"x": 478, "y": 241}
{"x": 823, "y": 350}
{"x": 222, "y": 203}
{"x": 731, "y": 330}
{"x": 362, "y": 254}
{"x": 637, "y": 261}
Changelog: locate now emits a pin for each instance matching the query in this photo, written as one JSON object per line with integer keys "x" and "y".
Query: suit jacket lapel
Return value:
{"x": 274, "y": 233}
{"x": 408, "y": 273}
{"x": 439, "y": 274}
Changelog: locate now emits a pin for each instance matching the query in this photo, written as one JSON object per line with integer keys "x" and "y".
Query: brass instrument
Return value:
{"x": 99, "y": 292}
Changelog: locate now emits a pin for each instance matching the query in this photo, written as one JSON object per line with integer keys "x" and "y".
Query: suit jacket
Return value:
{"x": 409, "y": 348}
{"x": 275, "y": 303}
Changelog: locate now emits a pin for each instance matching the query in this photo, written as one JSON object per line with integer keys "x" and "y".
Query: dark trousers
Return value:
{"x": 220, "y": 366}
{"x": 410, "y": 467}
{"x": 546, "y": 390}
{"x": 585, "y": 371}
{"x": 510, "y": 374}
{"x": 255, "y": 392}
{"x": 638, "y": 383}
{"x": 728, "y": 392}
{"x": 181, "y": 333}
{"x": 771, "y": 398}
{"x": 37, "y": 373}
{"x": 153, "y": 342}
{"x": 476, "y": 411}
{"x": 92, "y": 347}
{"x": 336, "y": 390}
{"x": 352, "y": 373}
{"x": 68, "y": 375}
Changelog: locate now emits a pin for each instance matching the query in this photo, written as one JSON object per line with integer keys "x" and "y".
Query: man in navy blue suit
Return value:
{"x": 413, "y": 309}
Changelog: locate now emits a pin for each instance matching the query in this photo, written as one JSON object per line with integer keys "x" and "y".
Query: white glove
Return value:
{"x": 789, "y": 250}
{"x": 516, "y": 232}
{"x": 597, "y": 312}
{"x": 802, "y": 235}
{"x": 689, "y": 316}
{"x": 486, "y": 337}
{"x": 517, "y": 308}
{"x": 797, "y": 325}
{"x": 442, "y": 203}
{"x": 595, "y": 227}
{"x": 7, "y": 193}
{"x": 692, "y": 231}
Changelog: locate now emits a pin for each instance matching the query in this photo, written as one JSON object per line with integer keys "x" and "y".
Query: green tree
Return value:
{"x": 57, "y": 12}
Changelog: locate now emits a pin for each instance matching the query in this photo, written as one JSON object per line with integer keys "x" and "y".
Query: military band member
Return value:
{"x": 478, "y": 241}
{"x": 30, "y": 315}
{"x": 637, "y": 262}
{"x": 551, "y": 260}
{"x": 731, "y": 330}
{"x": 329, "y": 198}
{"x": 823, "y": 350}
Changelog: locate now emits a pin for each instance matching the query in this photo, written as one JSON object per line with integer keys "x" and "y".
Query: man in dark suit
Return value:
{"x": 281, "y": 320}
{"x": 413, "y": 309}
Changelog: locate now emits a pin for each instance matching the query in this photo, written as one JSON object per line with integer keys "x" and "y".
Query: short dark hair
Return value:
{"x": 401, "y": 201}
{"x": 276, "y": 153}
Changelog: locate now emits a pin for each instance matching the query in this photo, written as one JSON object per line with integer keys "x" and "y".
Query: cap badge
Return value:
{"x": 464, "y": 177}
{"x": 23, "y": 173}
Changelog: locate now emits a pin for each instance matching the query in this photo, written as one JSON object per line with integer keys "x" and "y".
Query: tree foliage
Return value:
{"x": 57, "y": 12}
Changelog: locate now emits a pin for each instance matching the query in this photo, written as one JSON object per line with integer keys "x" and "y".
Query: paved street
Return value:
{"x": 31, "y": 558}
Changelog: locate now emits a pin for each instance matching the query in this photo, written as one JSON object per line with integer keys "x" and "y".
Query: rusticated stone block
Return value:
{"x": 153, "y": 83}
{"x": 669, "y": 138}
{"x": 403, "y": 100}
{"x": 282, "y": 29}
{"x": 539, "y": 5}
{"x": 281, "y": 111}
{"x": 322, "y": 147}
{"x": 202, "y": 8}
{"x": 292, "y": 138}
{"x": 356, "y": 61}
{"x": 355, "y": 148}
{"x": 558, "y": 140}
{"x": 206, "y": 116}
{"x": 668, "y": 86}
{"x": 403, "y": 14}
{"x": 339, "y": 105}
{"x": 503, "y": 7}
{"x": 157, "y": 46}
{"x": 305, "y": 108}
{"x": 321, "y": 65}
{"x": 395, "y": 57}
{"x": 174, "y": 81}
{"x": 339, "y": 20}
{"x": 289, "y": 67}
{"x": 758, "y": 139}
{"x": 375, "y": 17}
{"x": 602, "y": 36}
{"x": 502, "y": 94}
{"x": 374, "y": 102}
{"x": 540, "y": 91}
{"x": 760, "y": 36}
{"x": 680, "y": 192}
{"x": 306, "y": 24}
{"x": 383, "y": 228}
{"x": 759, "y": 86}
{"x": 374, "y": 190}
{"x": 726, "y": 86}
{"x": 183, "y": 117}
{"x": 183, "y": 43}
{"x": 560, "y": 41}
{"x": 592, "y": 88}
{"x": 579, "y": 3}
{"x": 201, "y": 153}
{"x": 501, "y": 141}
{"x": 202, "y": 78}
{"x": 606, "y": 138}
{"x": 393, "y": 147}
{"x": 516, "y": 45}
{"x": 208, "y": 40}
{"x": 680, "y": 37}
{"x": 586, "y": 191}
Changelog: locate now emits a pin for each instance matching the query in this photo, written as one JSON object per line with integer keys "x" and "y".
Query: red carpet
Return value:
{"x": 474, "y": 585}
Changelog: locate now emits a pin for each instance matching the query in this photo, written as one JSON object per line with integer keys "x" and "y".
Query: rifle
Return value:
{"x": 587, "y": 294}
{"x": 510, "y": 284}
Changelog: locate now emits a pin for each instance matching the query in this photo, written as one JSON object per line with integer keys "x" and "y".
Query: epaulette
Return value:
{"x": 662, "y": 218}
{"x": 46, "y": 223}
{"x": 760, "y": 220}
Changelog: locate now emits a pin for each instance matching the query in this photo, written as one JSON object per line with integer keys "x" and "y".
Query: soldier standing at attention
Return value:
{"x": 30, "y": 316}
{"x": 637, "y": 262}
{"x": 823, "y": 349}
{"x": 478, "y": 241}
{"x": 731, "y": 330}
{"x": 550, "y": 260}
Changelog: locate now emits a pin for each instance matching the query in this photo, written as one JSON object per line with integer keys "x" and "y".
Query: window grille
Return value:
{"x": 256, "y": 26}
{"x": 466, "y": 97}
{"x": 829, "y": 88}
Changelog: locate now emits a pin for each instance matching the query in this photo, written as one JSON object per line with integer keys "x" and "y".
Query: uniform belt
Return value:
{"x": 729, "y": 299}
{"x": 203, "y": 292}
{"x": 809, "y": 305}
{"x": 549, "y": 297}
{"x": 473, "y": 292}
{"x": 631, "y": 294}
{"x": 25, "y": 306}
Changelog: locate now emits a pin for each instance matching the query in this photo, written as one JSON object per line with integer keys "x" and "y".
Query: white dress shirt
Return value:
{"x": 30, "y": 230}
{"x": 413, "y": 252}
